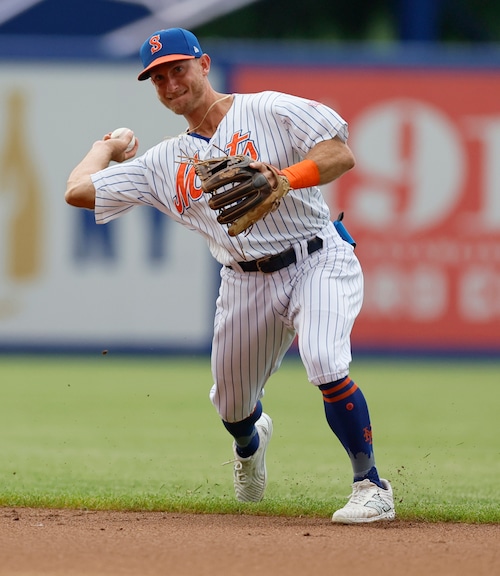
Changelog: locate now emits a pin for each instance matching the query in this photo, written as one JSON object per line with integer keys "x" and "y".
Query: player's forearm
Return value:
{"x": 325, "y": 162}
{"x": 80, "y": 191}
{"x": 333, "y": 158}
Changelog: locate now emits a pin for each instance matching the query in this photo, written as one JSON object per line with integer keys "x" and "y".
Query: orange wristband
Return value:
{"x": 303, "y": 174}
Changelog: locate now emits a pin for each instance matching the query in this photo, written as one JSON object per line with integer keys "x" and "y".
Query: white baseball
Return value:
{"x": 118, "y": 132}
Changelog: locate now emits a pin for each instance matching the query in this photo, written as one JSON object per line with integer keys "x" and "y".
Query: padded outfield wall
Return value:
{"x": 423, "y": 201}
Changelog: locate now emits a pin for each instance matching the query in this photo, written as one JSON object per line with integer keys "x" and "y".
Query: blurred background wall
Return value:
{"x": 418, "y": 82}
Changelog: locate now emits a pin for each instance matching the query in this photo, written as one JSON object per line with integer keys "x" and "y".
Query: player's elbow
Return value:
{"x": 349, "y": 161}
{"x": 80, "y": 196}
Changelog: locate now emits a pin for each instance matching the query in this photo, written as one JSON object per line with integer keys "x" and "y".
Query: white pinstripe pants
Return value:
{"x": 258, "y": 316}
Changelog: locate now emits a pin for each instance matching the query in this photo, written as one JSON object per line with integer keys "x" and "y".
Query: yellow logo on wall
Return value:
{"x": 20, "y": 198}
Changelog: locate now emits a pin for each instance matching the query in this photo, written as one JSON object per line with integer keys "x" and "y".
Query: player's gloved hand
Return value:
{"x": 240, "y": 192}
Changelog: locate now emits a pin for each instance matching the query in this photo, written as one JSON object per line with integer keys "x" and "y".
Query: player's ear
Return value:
{"x": 205, "y": 63}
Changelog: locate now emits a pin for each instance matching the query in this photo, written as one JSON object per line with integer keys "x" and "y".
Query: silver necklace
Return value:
{"x": 188, "y": 131}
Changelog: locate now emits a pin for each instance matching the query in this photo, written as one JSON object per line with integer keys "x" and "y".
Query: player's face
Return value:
{"x": 180, "y": 85}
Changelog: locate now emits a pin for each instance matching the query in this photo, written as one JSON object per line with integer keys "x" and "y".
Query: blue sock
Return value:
{"x": 347, "y": 415}
{"x": 245, "y": 433}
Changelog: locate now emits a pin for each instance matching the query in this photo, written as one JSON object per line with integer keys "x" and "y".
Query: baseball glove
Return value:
{"x": 242, "y": 195}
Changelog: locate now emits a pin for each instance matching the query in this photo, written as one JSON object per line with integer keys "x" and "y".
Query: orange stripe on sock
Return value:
{"x": 347, "y": 383}
{"x": 341, "y": 396}
{"x": 343, "y": 384}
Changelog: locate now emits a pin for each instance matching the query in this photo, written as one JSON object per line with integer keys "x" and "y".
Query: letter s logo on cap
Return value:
{"x": 155, "y": 43}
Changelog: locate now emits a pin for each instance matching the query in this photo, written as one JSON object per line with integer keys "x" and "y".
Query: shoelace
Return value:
{"x": 238, "y": 469}
{"x": 239, "y": 472}
{"x": 357, "y": 495}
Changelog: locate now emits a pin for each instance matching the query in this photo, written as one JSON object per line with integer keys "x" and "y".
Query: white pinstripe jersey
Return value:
{"x": 271, "y": 127}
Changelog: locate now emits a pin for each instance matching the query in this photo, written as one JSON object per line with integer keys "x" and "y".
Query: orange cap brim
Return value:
{"x": 144, "y": 75}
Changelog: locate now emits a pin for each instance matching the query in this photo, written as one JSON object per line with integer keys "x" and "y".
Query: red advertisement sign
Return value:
{"x": 423, "y": 201}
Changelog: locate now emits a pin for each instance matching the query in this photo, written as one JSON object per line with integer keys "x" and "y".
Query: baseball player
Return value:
{"x": 294, "y": 272}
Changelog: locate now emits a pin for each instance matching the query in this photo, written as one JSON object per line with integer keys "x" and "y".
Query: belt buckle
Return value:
{"x": 262, "y": 260}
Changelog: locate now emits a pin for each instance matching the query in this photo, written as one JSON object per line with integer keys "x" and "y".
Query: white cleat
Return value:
{"x": 250, "y": 474}
{"x": 367, "y": 503}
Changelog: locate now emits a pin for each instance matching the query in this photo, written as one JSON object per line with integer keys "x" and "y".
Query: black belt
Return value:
{"x": 269, "y": 264}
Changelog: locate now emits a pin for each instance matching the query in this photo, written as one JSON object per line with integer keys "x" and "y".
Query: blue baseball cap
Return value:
{"x": 166, "y": 46}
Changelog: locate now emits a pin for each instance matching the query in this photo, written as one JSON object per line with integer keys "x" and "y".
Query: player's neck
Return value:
{"x": 205, "y": 123}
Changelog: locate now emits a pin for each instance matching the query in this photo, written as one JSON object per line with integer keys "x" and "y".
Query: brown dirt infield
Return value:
{"x": 88, "y": 543}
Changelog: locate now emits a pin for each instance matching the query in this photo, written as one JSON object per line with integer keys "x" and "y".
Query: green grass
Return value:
{"x": 118, "y": 433}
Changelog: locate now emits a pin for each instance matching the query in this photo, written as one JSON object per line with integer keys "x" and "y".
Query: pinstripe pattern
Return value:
{"x": 318, "y": 299}
{"x": 258, "y": 315}
{"x": 275, "y": 128}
